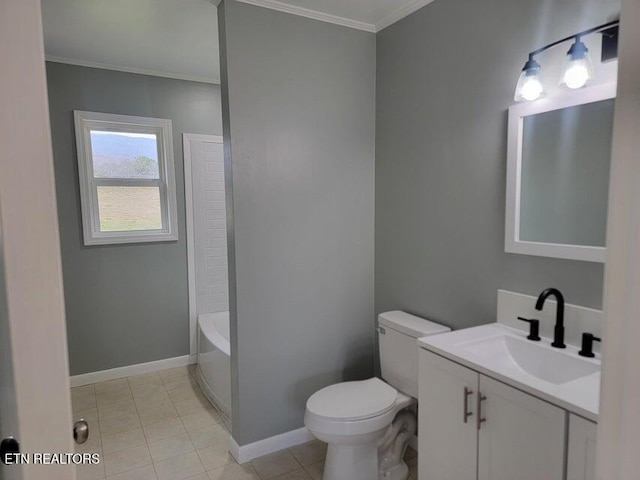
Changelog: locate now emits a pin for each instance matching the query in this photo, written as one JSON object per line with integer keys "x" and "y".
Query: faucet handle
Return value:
{"x": 534, "y": 328}
{"x": 587, "y": 345}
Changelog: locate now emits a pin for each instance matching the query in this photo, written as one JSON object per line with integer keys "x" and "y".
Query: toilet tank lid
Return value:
{"x": 411, "y": 325}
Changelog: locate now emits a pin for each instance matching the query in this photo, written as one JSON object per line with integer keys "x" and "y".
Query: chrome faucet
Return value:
{"x": 558, "y": 332}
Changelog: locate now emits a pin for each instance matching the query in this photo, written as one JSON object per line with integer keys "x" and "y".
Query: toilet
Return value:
{"x": 368, "y": 424}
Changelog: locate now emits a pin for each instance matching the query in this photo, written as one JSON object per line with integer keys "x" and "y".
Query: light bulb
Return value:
{"x": 531, "y": 89}
{"x": 576, "y": 75}
{"x": 529, "y": 86}
{"x": 578, "y": 69}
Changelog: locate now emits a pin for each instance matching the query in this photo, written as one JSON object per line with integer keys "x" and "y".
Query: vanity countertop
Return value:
{"x": 505, "y": 354}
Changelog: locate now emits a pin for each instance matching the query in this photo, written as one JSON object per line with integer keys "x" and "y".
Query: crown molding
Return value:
{"x": 345, "y": 22}
{"x": 313, "y": 14}
{"x": 121, "y": 68}
{"x": 401, "y": 13}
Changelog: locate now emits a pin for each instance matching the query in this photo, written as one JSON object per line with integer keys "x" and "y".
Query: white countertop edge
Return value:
{"x": 571, "y": 407}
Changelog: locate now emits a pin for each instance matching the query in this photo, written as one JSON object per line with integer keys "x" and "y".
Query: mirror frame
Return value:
{"x": 517, "y": 112}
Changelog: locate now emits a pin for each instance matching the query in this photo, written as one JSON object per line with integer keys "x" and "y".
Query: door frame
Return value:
{"x": 191, "y": 254}
{"x": 34, "y": 315}
{"x": 619, "y": 421}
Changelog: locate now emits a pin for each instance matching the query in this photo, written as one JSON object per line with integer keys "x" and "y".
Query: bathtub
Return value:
{"x": 213, "y": 370}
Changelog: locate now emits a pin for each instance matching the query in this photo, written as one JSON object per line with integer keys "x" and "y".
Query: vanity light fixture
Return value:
{"x": 578, "y": 68}
{"x": 529, "y": 85}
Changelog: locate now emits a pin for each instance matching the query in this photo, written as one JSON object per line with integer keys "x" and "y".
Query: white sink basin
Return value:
{"x": 559, "y": 376}
{"x": 545, "y": 363}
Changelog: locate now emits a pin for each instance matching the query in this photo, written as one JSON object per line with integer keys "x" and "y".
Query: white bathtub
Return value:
{"x": 214, "y": 362}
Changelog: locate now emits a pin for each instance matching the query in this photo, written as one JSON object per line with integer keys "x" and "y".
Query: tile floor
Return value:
{"x": 159, "y": 426}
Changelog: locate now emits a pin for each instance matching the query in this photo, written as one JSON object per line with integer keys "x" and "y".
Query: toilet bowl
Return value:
{"x": 367, "y": 424}
{"x": 352, "y": 417}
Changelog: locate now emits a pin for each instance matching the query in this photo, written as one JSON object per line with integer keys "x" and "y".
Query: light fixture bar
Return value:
{"x": 599, "y": 28}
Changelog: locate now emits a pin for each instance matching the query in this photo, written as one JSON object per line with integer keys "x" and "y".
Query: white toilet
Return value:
{"x": 367, "y": 424}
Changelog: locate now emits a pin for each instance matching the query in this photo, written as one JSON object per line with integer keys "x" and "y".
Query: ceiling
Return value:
{"x": 369, "y": 15}
{"x": 172, "y": 38}
{"x": 179, "y": 38}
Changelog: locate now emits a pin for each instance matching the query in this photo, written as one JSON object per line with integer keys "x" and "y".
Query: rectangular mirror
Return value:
{"x": 558, "y": 158}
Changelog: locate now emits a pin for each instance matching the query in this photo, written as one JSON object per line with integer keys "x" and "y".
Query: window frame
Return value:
{"x": 93, "y": 235}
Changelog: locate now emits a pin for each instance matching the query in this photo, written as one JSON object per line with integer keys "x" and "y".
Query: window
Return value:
{"x": 127, "y": 183}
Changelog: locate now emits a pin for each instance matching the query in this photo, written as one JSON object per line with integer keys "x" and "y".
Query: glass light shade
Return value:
{"x": 529, "y": 86}
{"x": 578, "y": 68}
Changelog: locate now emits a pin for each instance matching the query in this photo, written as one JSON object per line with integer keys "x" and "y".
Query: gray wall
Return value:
{"x": 445, "y": 78}
{"x": 126, "y": 304}
{"x": 299, "y": 134}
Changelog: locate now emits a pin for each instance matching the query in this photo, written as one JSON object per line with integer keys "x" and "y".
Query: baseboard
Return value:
{"x": 138, "y": 369}
{"x": 246, "y": 453}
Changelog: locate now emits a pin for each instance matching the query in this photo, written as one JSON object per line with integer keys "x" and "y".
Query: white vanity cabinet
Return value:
{"x": 581, "y": 460}
{"x": 473, "y": 427}
{"x": 447, "y": 431}
{"x": 522, "y": 436}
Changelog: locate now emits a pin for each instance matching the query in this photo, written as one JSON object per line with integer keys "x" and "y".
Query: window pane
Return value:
{"x": 125, "y": 209}
{"x": 124, "y": 155}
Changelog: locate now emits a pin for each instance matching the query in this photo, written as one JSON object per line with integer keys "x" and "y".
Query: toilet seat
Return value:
{"x": 351, "y": 401}
{"x": 354, "y": 408}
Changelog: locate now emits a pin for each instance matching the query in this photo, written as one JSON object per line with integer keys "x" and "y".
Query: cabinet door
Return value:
{"x": 581, "y": 463}
{"x": 447, "y": 437}
{"x": 522, "y": 437}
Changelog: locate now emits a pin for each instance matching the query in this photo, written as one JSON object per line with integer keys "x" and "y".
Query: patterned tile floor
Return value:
{"x": 159, "y": 426}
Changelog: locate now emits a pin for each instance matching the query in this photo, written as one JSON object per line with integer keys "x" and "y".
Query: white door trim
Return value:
{"x": 618, "y": 436}
{"x": 191, "y": 256}
{"x": 33, "y": 316}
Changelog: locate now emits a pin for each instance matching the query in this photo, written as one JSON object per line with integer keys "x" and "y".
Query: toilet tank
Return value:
{"x": 397, "y": 335}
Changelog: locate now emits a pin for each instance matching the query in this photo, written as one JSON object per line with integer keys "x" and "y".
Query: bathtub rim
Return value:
{"x": 212, "y": 334}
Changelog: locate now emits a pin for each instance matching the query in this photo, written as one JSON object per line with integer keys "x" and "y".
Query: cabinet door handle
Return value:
{"x": 481, "y": 419}
{"x": 466, "y": 413}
